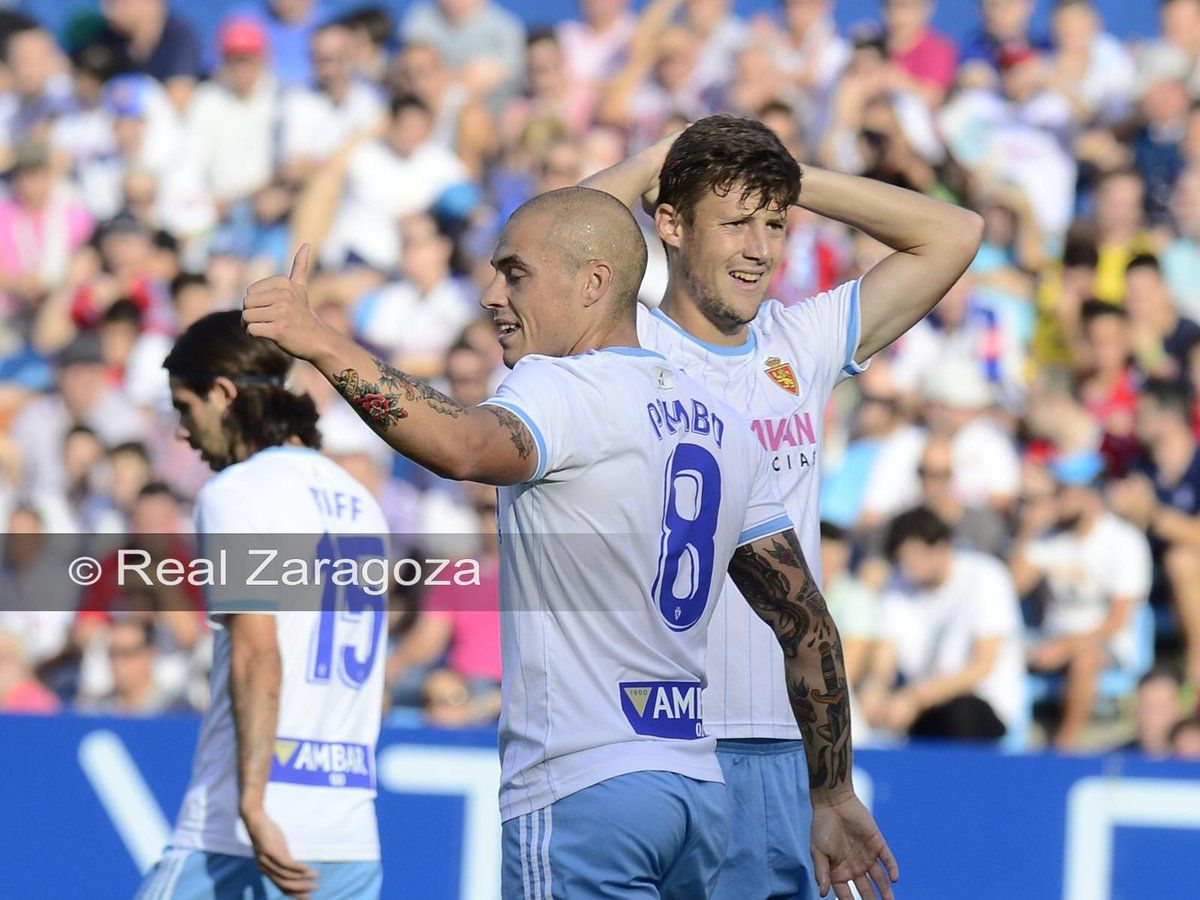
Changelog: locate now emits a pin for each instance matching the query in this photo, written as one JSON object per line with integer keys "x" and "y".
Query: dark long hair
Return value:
{"x": 264, "y": 413}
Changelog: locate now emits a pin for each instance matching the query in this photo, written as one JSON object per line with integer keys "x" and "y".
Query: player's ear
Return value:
{"x": 669, "y": 224}
{"x": 222, "y": 392}
{"x": 599, "y": 280}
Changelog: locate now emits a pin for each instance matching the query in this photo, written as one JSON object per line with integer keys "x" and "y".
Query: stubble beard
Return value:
{"x": 727, "y": 319}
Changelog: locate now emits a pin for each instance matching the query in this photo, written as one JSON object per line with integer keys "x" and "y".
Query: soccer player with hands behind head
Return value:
{"x": 720, "y": 193}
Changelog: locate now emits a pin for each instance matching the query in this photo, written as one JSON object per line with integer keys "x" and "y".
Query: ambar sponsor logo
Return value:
{"x": 322, "y": 763}
{"x": 666, "y": 709}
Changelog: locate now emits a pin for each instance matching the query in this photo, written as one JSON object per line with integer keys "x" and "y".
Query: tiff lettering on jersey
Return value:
{"x": 322, "y": 763}
{"x": 664, "y": 709}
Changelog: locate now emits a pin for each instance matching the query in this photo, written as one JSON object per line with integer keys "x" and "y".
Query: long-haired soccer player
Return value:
{"x": 282, "y": 794}
{"x": 720, "y": 195}
{"x": 628, "y": 491}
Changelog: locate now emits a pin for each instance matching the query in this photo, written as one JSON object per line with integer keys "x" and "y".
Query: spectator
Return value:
{"x": 31, "y": 569}
{"x": 1092, "y": 68}
{"x": 461, "y": 123}
{"x": 146, "y": 139}
{"x": 657, "y": 80}
{"x": 41, "y": 228}
{"x": 155, "y": 534}
{"x": 401, "y": 173}
{"x": 290, "y": 25}
{"x": 926, "y": 59}
{"x": 719, "y": 34}
{"x": 1006, "y": 23}
{"x": 890, "y": 484}
{"x": 976, "y": 526}
{"x": 986, "y": 466}
{"x": 810, "y": 52}
{"x": 372, "y": 36}
{"x": 1163, "y": 498}
{"x": 1108, "y": 383}
{"x": 479, "y": 39}
{"x": 1181, "y": 260}
{"x": 1163, "y": 106}
{"x": 1156, "y": 712}
{"x": 231, "y": 121}
{"x": 974, "y": 327}
{"x": 854, "y": 605}
{"x": 1179, "y": 25}
{"x": 459, "y": 626}
{"x": 82, "y": 397}
{"x": 1098, "y": 570}
{"x": 950, "y": 629}
{"x": 1185, "y": 739}
{"x": 154, "y": 41}
{"x": 319, "y": 120}
{"x": 551, "y": 94}
{"x": 135, "y": 692}
{"x": 1120, "y": 218}
{"x": 878, "y": 127}
{"x": 418, "y": 318}
{"x": 40, "y": 89}
{"x": 20, "y": 691}
{"x": 595, "y": 46}
{"x": 1162, "y": 339}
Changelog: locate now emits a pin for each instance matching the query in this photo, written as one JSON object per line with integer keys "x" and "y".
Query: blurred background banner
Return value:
{"x": 956, "y": 18}
{"x": 963, "y": 822}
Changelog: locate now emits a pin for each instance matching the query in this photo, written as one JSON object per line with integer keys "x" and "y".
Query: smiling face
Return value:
{"x": 726, "y": 253}
{"x": 530, "y": 291}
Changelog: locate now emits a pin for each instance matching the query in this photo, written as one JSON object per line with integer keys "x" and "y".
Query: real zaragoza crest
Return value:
{"x": 781, "y": 373}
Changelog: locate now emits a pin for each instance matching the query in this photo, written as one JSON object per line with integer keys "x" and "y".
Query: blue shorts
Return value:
{"x": 642, "y": 835}
{"x": 770, "y": 818}
{"x": 199, "y": 875}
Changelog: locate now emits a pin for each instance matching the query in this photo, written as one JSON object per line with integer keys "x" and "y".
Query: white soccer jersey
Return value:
{"x": 331, "y": 642}
{"x": 780, "y": 379}
{"x": 612, "y": 557}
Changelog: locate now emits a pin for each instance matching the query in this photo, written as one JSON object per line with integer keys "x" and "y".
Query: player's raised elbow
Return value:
{"x": 965, "y": 233}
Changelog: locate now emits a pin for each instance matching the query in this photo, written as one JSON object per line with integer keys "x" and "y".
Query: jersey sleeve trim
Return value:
{"x": 769, "y": 527}
{"x": 540, "y": 471}
{"x": 850, "y": 368}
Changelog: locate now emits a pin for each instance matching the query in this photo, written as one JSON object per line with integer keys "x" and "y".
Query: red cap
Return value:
{"x": 1013, "y": 55}
{"x": 243, "y": 36}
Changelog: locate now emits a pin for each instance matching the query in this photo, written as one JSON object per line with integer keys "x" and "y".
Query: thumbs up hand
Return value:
{"x": 277, "y": 308}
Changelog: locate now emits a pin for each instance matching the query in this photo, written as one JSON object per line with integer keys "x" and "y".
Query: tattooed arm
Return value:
{"x": 480, "y": 443}
{"x": 772, "y": 575}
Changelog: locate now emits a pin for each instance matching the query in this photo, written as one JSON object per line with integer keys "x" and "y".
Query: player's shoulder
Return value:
{"x": 594, "y": 365}
{"x": 774, "y": 316}
{"x": 259, "y": 471}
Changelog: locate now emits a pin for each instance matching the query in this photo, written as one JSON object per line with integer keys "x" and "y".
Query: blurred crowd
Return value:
{"x": 1011, "y": 492}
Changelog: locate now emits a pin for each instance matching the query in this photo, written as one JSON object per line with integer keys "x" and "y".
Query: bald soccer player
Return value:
{"x": 626, "y": 491}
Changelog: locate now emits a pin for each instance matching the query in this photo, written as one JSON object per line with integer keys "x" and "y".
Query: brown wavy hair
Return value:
{"x": 264, "y": 413}
{"x": 724, "y": 153}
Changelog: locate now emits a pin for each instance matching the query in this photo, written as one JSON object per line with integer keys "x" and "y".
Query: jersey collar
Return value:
{"x": 742, "y": 349}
